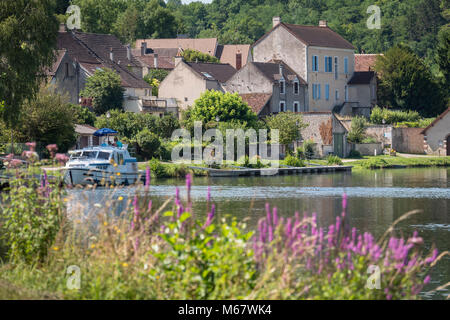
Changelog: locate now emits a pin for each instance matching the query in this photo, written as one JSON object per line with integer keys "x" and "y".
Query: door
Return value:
{"x": 339, "y": 144}
{"x": 448, "y": 145}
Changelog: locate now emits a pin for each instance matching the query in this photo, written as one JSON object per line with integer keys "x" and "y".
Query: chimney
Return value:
{"x": 323, "y": 23}
{"x": 178, "y": 59}
{"x": 129, "y": 52}
{"x": 62, "y": 27}
{"x": 238, "y": 60}
{"x": 111, "y": 55}
{"x": 143, "y": 48}
{"x": 155, "y": 60}
{"x": 276, "y": 21}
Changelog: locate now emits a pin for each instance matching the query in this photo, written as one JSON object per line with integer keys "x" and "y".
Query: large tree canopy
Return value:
{"x": 28, "y": 32}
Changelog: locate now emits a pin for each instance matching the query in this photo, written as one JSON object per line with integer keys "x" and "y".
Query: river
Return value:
{"x": 376, "y": 199}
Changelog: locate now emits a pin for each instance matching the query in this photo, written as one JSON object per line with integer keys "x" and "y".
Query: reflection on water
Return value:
{"x": 376, "y": 199}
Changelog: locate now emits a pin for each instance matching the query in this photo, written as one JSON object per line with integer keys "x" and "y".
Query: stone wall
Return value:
{"x": 368, "y": 149}
{"x": 407, "y": 140}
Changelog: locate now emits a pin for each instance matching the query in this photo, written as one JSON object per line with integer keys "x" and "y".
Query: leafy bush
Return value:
{"x": 357, "y": 130}
{"x": 288, "y": 124}
{"x": 334, "y": 160}
{"x": 309, "y": 149}
{"x": 300, "y": 153}
{"x": 392, "y": 116}
{"x": 369, "y": 140}
{"x": 191, "y": 55}
{"x": 148, "y": 144}
{"x": 422, "y": 123}
{"x": 355, "y": 154}
{"x": 83, "y": 115}
{"x": 294, "y": 162}
{"x": 32, "y": 213}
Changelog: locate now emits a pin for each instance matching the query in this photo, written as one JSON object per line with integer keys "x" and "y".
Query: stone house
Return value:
{"x": 189, "y": 80}
{"x": 324, "y": 59}
{"x": 437, "y": 135}
{"x": 273, "y": 82}
{"x": 80, "y": 55}
{"x": 85, "y": 136}
{"x": 161, "y": 53}
{"x": 327, "y": 132}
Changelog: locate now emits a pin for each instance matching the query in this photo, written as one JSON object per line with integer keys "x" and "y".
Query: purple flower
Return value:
{"x": 208, "y": 196}
{"x": 344, "y": 202}
{"x": 433, "y": 257}
{"x": 147, "y": 177}
{"x": 427, "y": 279}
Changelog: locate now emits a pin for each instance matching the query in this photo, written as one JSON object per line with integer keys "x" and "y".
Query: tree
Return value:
{"x": 289, "y": 126}
{"x": 443, "y": 56}
{"x": 191, "y": 55}
{"x": 148, "y": 144}
{"x": 48, "y": 119}
{"x": 407, "y": 83}
{"x": 154, "y": 79}
{"x": 158, "y": 21}
{"x": 357, "y": 131}
{"x": 83, "y": 115}
{"x": 225, "y": 107}
{"x": 25, "y": 51}
{"x": 105, "y": 89}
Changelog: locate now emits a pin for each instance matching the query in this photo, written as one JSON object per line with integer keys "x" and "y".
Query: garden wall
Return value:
{"x": 408, "y": 140}
{"x": 368, "y": 149}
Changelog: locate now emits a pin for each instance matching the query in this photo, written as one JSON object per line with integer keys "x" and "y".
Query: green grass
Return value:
{"x": 381, "y": 162}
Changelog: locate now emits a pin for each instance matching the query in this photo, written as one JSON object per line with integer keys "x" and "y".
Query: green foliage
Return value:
{"x": 154, "y": 78}
{"x": 375, "y": 163}
{"x": 369, "y": 139}
{"x": 288, "y": 124}
{"x": 334, "y": 160}
{"x": 422, "y": 123}
{"x": 407, "y": 83}
{"x": 294, "y": 162}
{"x": 83, "y": 115}
{"x": 357, "y": 130}
{"x": 32, "y": 218}
{"x": 309, "y": 149}
{"x": 392, "y": 116}
{"x": 443, "y": 56}
{"x": 47, "y": 119}
{"x": 105, "y": 89}
{"x": 148, "y": 143}
{"x": 25, "y": 51}
{"x": 160, "y": 170}
{"x": 227, "y": 107}
{"x": 354, "y": 154}
{"x": 191, "y": 55}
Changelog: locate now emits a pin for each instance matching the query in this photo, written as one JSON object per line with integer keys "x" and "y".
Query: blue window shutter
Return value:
{"x": 327, "y": 91}
{"x": 320, "y": 93}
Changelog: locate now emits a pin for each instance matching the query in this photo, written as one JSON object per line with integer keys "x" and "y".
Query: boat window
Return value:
{"x": 120, "y": 155}
{"x": 103, "y": 155}
{"x": 90, "y": 154}
{"x": 75, "y": 155}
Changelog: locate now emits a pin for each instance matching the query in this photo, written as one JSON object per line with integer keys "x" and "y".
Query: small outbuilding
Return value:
{"x": 86, "y": 136}
{"x": 436, "y": 136}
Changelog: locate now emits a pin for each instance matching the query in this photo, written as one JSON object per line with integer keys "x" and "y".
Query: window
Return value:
{"x": 296, "y": 87}
{"x": 327, "y": 92}
{"x": 315, "y": 63}
{"x": 346, "y": 93}
{"x": 282, "y": 106}
{"x": 346, "y": 65}
{"x": 316, "y": 91}
{"x": 336, "y": 65}
{"x": 121, "y": 161}
{"x": 336, "y": 95}
{"x": 296, "y": 106}
{"x": 328, "y": 64}
{"x": 185, "y": 99}
{"x": 103, "y": 155}
{"x": 282, "y": 87}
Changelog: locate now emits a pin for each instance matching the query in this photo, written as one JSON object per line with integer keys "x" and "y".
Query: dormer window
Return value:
{"x": 282, "y": 106}
{"x": 282, "y": 87}
{"x": 296, "y": 87}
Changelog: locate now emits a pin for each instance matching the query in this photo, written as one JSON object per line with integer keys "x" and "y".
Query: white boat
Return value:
{"x": 101, "y": 166}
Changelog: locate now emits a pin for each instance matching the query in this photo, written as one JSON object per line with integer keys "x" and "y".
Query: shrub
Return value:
{"x": 294, "y": 162}
{"x": 309, "y": 149}
{"x": 355, "y": 154}
{"x": 300, "y": 153}
{"x": 334, "y": 160}
{"x": 392, "y": 116}
{"x": 157, "y": 168}
{"x": 375, "y": 163}
{"x": 148, "y": 144}
{"x": 369, "y": 140}
{"x": 357, "y": 130}
{"x": 83, "y": 115}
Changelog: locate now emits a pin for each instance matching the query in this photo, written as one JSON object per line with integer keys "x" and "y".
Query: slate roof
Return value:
{"x": 206, "y": 45}
{"x": 256, "y": 101}
{"x": 164, "y": 62}
{"x": 361, "y": 77}
{"x": 365, "y": 62}
{"x": 271, "y": 70}
{"x": 91, "y": 51}
{"x": 314, "y": 36}
{"x": 218, "y": 71}
{"x": 58, "y": 59}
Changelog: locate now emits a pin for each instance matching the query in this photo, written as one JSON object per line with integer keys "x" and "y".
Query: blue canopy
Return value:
{"x": 104, "y": 132}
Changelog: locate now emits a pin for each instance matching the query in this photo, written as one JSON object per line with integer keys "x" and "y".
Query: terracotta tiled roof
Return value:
{"x": 271, "y": 70}
{"x": 365, "y": 62}
{"x": 314, "y": 36}
{"x": 207, "y": 45}
{"x": 85, "y": 129}
{"x": 256, "y": 101}
{"x": 362, "y": 77}
{"x": 91, "y": 51}
{"x": 227, "y": 53}
{"x": 436, "y": 121}
{"x": 213, "y": 71}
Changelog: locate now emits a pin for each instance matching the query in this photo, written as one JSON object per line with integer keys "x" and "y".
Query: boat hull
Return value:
{"x": 86, "y": 176}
